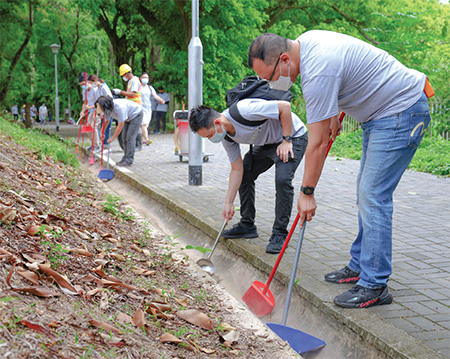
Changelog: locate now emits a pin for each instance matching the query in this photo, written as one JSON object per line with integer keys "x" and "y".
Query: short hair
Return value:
{"x": 160, "y": 88}
{"x": 81, "y": 77}
{"x": 106, "y": 103}
{"x": 202, "y": 117}
{"x": 93, "y": 77}
{"x": 144, "y": 73}
{"x": 267, "y": 47}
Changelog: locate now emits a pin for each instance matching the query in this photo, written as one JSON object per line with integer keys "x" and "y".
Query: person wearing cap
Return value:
{"x": 132, "y": 93}
{"x": 341, "y": 73}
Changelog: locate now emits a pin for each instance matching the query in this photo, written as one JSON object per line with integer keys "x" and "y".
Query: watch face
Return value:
{"x": 307, "y": 190}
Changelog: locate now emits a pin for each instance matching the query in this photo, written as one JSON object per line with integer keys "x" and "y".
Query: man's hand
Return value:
{"x": 335, "y": 127}
{"x": 110, "y": 140}
{"x": 228, "y": 211}
{"x": 306, "y": 206}
{"x": 117, "y": 91}
{"x": 284, "y": 149}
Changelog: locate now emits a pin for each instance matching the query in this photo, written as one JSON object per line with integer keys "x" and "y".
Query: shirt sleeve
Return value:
{"x": 321, "y": 97}
{"x": 232, "y": 149}
{"x": 134, "y": 87}
{"x": 258, "y": 109}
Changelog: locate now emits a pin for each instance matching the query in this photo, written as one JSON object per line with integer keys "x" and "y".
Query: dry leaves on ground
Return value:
{"x": 84, "y": 279}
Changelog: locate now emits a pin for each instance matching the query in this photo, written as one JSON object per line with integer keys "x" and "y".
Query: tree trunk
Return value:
{"x": 5, "y": 88}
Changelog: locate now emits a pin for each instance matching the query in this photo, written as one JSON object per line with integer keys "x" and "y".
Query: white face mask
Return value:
{"x": 283, "y": 83}
{"x": 218, "y": 137}
{"x": 144, "y": 81}
{"x": 125, "y": 78}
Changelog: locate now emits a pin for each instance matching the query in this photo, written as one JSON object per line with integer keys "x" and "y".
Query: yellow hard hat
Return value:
{"x": 123, "y": 69}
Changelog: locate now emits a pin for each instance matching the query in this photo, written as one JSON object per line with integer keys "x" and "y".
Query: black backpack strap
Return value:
{"x": 229, "y": 139}
{"x": 234, "y": 112}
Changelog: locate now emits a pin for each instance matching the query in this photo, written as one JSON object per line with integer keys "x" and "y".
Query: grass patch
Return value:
{"x": 432, "y": 156}
{"x": 44, "y": 144}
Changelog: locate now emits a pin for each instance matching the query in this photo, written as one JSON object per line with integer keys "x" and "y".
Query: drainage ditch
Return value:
{"x": 236, "y": 275}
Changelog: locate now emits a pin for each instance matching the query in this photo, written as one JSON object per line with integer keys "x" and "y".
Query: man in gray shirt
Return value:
{"x": 281, "y": 140}
{"x": 340, "y": 72}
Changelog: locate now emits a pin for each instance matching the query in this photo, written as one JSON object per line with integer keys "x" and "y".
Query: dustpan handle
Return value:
{"x": 280, "y": 256}
{"x": 293, "y": 274}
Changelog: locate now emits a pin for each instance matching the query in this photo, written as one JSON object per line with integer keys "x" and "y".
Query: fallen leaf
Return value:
{"x": 7, "y": 214}
{"x": 195, "y": 317}
{"x": 62, "y": 282}
{"x": 124, "y": 318}
{"x": 136, "y": 248}
{"x": 105, "y": 326}
{"x": 33, "y": 229}
{"x": 183, "y": 302}
{"x": 169, "y": 338}
{"x": 31, "y": 276}
{"x": 80, "y": 251}
{"x": 38, "y": 328}
{"x": 99, "y": 270}
{"x": 112, "y": 340}
{"x": 143, "y": 272}
{"x": 39, "y": 291}
{"x": 139, "y": 319}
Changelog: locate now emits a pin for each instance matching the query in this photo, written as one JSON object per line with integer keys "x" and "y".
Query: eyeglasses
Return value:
{"x": 276, "y": 64}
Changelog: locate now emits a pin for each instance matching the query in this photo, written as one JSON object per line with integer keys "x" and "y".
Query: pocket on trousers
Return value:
{"x": 418, "y": 125}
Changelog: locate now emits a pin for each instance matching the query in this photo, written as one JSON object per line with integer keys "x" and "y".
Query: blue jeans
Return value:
{"x": 388, "y": 146}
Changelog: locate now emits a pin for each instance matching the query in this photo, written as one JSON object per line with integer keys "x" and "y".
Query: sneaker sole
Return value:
{"x": 351, "y": 280}
{"x": 234, "y": 236}
{"x": 271, "y": 251}
{"x": 367, "y": 304}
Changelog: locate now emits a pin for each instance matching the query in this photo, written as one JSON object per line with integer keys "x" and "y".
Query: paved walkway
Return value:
{"x": 421, "y": 232}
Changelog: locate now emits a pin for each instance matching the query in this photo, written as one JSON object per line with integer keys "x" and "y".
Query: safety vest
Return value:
{"x": 137, "y": 96}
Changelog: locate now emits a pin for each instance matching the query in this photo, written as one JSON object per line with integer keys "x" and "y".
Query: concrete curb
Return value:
{"x": 390, "y": 340}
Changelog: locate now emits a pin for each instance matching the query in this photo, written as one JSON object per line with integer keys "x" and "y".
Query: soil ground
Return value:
{"x": 84, "y": 277}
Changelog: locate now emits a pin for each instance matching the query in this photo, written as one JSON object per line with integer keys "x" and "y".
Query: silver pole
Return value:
{"x": 56, "y": 96}
{"x": 195, "y": 96}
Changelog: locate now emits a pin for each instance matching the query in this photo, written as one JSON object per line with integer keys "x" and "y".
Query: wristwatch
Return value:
{"x": 307, "y": 190}
{"x": 287, "y": 138}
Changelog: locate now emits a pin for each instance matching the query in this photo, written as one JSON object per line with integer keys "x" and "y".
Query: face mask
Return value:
{"x": 125, "y": 78}
{"x": 144, "y": 81}
{"x": 283, "y": 83}
{"x": 84, "y": 87}
{"x": 218, "y": 137}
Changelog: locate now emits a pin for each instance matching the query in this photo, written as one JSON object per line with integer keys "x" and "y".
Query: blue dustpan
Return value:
{"x": 300, "y": 341}
{"x": 106, "y": 174}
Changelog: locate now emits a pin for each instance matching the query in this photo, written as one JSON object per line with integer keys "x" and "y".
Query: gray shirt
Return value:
{"x": 91, "y": 97}
{"x": 340, "y": 72}
{"x": 103, "y": 90}
{"x": 267, "y": 133}
{"x": 125, "y": 110}
{"x": 163, "y": 107}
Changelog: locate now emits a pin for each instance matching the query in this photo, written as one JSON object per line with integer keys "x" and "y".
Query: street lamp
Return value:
{"x": 55, "y": 48}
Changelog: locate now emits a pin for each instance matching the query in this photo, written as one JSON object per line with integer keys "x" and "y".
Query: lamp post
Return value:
{"x": 55, "y": 48}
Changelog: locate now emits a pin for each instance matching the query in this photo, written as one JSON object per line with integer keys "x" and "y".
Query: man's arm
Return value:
{"x": 237, "y": 170}
{"x": 285, "y": 148}
{"x": 319, "y": 135}
{"x": 157, "y": 98}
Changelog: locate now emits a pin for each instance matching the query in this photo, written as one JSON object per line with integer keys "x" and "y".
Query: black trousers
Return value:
{"x": 261, "y": 159}
{"x": 160, "y": 117}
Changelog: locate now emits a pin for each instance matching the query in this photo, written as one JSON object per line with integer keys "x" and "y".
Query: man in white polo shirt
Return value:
{"x": 281, "y": 140}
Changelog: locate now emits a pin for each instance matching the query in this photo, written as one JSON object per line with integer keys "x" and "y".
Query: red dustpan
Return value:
{"x": 258, "y": 297}
{"x": 300, "y": 341}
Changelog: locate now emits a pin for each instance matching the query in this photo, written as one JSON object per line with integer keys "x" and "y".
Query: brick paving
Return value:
{"x": 421, "y": 229}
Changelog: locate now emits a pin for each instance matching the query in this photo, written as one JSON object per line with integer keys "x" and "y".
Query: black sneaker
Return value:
{"x": 240, "y": 230}
{"x": 123, "y": 164}
{"x": 344, "y": 275}
{"x": 275, "y": 243}
{"x": 361, "y": 297}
